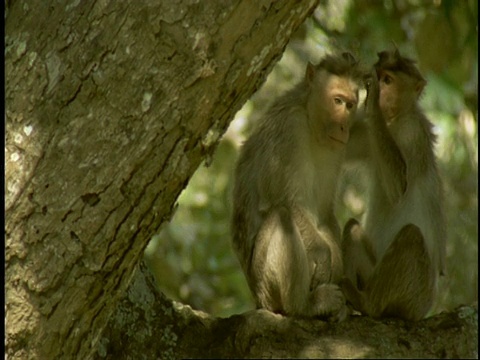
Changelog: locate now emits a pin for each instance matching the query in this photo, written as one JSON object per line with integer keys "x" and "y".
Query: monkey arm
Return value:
{"x": 318, "y": 251}
{"x": 358, "y": 147}
{"x": 387, "y": 158}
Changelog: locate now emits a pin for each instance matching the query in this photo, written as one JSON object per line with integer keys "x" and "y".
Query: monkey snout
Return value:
{"x": 339, "y": 137}
{"x": 339, "y": 133}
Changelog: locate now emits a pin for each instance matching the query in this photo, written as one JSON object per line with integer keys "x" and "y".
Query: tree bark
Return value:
{"x": 110, "y": 108}
{"x": 149, "y": 326}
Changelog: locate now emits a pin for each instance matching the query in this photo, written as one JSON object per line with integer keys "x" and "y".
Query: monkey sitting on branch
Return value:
{"x": 285, "y": 233}
{"x": 392, "y": 264}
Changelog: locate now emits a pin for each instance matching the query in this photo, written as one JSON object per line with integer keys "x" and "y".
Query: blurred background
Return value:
{"x": 192, "y": 258}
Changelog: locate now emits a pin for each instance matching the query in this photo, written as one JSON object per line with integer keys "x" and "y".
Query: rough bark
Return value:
{"x": 110, "y": 107}
{"x": 149, "y": 326}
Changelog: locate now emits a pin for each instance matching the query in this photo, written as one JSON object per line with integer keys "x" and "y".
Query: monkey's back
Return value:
{"x": 422, "y": 203}
{"x": 261, "y": 180}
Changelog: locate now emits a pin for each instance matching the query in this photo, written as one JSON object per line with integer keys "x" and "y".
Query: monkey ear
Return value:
{"x": 367, "y": 80}
{"x": 419, "y": 86}
{"x": 310, "y": 72}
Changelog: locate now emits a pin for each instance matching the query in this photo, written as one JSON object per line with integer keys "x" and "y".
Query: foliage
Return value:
{"x": 192, "y": 257}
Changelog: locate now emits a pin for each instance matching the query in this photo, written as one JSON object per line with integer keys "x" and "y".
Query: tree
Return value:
{"x": 110, "y": 107}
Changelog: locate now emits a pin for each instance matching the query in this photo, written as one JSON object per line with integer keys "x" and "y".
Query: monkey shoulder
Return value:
{"x": 264, "y": 171}
{"x": 413, "y": 133}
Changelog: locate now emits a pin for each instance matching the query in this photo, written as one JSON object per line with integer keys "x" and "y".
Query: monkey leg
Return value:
{"x": 318, "y": 249}
{"x": 328, "y": 301}
{"x": 358, "y": 256}
{"x": 326, "y": 297}
{"x": 403, "y": 282}
{"x": 280, "y": 274}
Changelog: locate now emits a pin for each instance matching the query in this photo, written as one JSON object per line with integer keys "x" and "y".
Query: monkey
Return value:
{"x": 393, "y": 261}
{"x": 284, "y": 230}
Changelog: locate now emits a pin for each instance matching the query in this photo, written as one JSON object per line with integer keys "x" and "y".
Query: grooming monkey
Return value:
{"x": 393, "y": 263}
{"x": 285, "y": 233}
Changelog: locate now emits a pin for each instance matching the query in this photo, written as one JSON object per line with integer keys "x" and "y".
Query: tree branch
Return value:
{"x": 150, "y": 326}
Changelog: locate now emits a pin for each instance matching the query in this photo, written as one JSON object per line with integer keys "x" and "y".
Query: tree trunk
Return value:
{"x": 110, "y": 107}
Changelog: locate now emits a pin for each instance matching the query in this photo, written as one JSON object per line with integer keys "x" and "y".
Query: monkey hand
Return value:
{"x": 320, "y": 266}
{"x": 329, "y": 302}
{"x": 373, "y": 94}
{"x": 353, "y": 295}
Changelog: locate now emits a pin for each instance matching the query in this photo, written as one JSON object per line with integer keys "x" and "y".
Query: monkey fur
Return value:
{"x": 393, "y": 262}
{"x": 285, "y": 233}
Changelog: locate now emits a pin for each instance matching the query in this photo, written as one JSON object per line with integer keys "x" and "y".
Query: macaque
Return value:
{"x": 393, "y": 262}
{"x": 285, "y": 233}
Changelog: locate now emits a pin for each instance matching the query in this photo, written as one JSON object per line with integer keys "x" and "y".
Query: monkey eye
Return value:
{"x": 387, "y": 79}
{"x": 349, "y": 105}
{"x": 338, "y": 101}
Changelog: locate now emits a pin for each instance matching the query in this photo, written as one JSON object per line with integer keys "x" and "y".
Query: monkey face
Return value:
{"x": 337, "y": 106}
{"x": 397, "y": 93}
{"x": 332, "y": 101}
